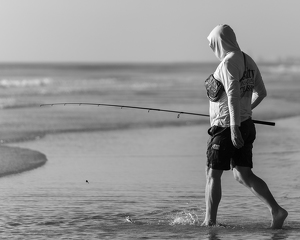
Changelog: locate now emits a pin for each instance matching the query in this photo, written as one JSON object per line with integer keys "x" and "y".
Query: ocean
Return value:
{"x": 88, "y": 172}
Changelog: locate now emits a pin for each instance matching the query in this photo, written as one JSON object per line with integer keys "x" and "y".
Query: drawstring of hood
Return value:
{"x": 222, "y": 40}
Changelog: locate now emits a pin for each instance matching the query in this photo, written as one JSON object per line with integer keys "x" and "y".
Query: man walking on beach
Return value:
{"x": 232, "y": 131}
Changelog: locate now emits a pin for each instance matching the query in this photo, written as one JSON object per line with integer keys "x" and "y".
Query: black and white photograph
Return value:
{"x": 149, "y": 119}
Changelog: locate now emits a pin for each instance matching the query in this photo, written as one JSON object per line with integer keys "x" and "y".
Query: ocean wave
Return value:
{"x": 147, "y": 86}
{"x": 26, "y": 82}
{"x": 283, "y": 69}
{"x": 6, "y": 102}
{"x": 13, "y": 103}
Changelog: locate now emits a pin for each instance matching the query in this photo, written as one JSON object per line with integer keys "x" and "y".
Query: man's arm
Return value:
{"x": 234, "y": 110}
{"x": 259, "y": 91}
{"x": 257, "y": 97}
{"x": 233, "y": 93}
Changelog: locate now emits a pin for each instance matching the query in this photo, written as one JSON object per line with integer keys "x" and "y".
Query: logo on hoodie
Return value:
{"x": 247, "y": 82}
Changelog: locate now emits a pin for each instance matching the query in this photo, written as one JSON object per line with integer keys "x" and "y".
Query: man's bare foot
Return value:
{"x": 208, "y": 224}
{"x": 278, "y": 218}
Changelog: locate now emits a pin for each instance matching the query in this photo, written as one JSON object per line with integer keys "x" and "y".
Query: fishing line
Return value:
{"x": 148, "y": 109}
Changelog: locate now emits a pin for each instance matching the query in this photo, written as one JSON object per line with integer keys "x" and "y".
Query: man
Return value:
{"x": 232, "y": 131}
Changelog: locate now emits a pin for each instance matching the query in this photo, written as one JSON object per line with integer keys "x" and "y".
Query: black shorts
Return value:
{"x": 222, "y": 155}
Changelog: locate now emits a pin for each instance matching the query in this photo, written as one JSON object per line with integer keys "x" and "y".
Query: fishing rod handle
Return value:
{"x": 264, "y": 122}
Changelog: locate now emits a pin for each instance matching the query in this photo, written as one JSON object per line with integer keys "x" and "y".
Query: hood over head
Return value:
{"x": 222, "y": 40}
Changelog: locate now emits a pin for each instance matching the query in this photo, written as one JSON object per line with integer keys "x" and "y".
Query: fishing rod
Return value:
{"x": 148, "y": 109}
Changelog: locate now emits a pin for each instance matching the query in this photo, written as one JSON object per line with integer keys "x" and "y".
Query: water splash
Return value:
{"x": 185, "y": 218}
{"x": 128, "y": 219}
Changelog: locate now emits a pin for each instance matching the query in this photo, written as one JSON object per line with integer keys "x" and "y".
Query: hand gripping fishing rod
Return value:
{"x": 148, "y": 109}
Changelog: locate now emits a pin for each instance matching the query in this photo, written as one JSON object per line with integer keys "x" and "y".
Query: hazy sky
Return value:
{"x": 143, "y": 30}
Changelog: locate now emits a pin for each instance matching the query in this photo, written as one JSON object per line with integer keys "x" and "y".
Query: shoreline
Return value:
{"x": 15, "y": 160}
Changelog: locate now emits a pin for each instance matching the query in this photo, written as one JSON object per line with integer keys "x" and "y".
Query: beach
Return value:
{"x": 97, "y": 167}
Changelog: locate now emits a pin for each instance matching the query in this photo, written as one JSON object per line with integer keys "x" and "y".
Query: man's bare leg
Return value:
{"x": 245, "y": 176}
{"x": 213, "y": 194}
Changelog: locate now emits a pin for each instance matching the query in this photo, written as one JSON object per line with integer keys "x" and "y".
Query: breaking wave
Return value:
{"x": 27, "y": 82}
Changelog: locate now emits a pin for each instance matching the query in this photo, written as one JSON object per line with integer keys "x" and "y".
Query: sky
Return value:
{"x": 143, "y": 30}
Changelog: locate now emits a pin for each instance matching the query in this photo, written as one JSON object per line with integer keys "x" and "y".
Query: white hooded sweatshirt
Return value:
{"x": 242, "y": 86}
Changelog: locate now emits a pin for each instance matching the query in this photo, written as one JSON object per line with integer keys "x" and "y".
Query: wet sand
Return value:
{"x": 16, "y": 160}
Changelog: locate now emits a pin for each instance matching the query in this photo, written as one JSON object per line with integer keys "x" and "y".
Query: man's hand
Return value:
{"x": 236, "y": 136}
